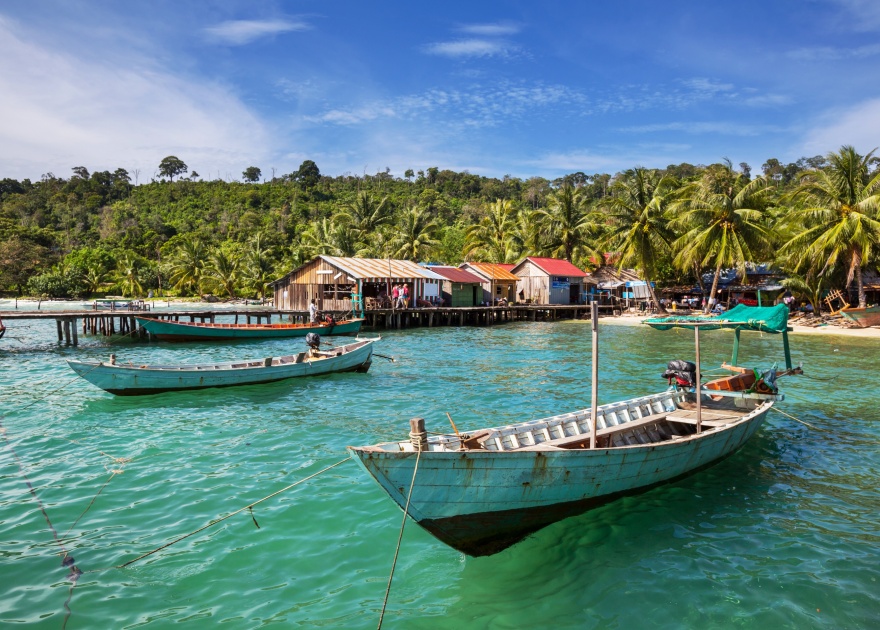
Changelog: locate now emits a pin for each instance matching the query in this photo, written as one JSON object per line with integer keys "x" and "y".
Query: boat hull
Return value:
{"x": 196, "y": 331}
{"x": 137, "y": 381}
{"x": 481, "y": 502}
{"x": 864, "y": 317}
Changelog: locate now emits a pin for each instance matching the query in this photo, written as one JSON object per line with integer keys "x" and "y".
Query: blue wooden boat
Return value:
{"x": 484, "y": 490}
{"x": 206, "y": 331}
{"x": 134, "y": 380}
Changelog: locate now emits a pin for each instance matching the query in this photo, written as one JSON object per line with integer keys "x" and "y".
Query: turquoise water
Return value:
{"x": 782, "y": 534}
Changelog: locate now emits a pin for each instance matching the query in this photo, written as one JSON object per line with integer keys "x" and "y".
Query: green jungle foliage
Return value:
{"x": 817, "y": 219}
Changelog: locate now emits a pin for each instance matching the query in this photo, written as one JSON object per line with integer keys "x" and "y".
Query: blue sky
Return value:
{"x": 520, "y": 88}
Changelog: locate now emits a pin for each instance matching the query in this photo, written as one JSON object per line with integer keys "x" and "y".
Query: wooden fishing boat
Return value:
{"x": 206, "y": 331}
{"x": 484, "y": 490}
{"x": 134, "y": 380}
{"x": 864, "y": 317}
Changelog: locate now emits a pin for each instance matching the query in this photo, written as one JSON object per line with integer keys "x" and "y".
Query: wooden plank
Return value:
{"x": 584, "y": 437}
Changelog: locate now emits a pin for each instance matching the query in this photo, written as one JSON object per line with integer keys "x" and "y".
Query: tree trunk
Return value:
{"x": 863, "y": 299}
{"x": 660, "y": 308}
{"x": 699, "y": 277}
{"x": 714, "y": 285}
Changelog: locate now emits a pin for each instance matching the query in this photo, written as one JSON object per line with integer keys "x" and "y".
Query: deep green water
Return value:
{"x": 783, "y": 534}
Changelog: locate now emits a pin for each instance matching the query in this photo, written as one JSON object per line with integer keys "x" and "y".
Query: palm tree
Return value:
{"x": 415, "y": 236}
{"x": 364, "y": 215}
{"x": 637, "y": 227}
{"x": 94, "y": 278}
{"x": 331, "y": 237}
{"x": 128, "y": 275}
{"x": 492, "y": 237}
{"x": 223, "y": 271}
{"x": 839, "y": 214}
{"x": 187, "y": 265}
{"x": 567, "y": 221}
{"x": 258, "y": 264}
{"x": 722, "y": 219}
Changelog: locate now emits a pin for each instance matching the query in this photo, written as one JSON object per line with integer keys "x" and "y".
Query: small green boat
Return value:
{"x": 206, "y": 331}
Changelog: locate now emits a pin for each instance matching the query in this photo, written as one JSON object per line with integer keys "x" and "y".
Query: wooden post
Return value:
{"x": 74, "y": 332}
{"x": 594, "y": 388}
{"x": 698, "y": 388}
{"x": 67, "y": 332}
{"x": 735, "y": 356}
{"x": 60, "y": 333}
{"x": 786, "y": 349}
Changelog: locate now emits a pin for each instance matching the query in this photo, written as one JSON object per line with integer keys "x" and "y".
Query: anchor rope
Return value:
{"x": 400, "y": 536}
{"x": 797, "y": 419}
{"x": 249, "y": 507}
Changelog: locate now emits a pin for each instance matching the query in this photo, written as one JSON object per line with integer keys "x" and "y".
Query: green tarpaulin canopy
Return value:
{"x": 772, "y": 319}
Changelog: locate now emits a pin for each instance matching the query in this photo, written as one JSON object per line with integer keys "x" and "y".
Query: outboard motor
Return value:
{"x": 684, "y": 373}
{"x": 313, "y": 341}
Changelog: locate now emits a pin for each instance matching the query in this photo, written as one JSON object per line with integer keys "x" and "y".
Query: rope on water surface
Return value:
{"x": 248, "y": 507}
{"x": 400, "y": 536}
{"x": 797, "y": 420}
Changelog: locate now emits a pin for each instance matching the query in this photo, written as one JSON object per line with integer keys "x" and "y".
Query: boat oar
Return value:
{"x": 454, "y": 428}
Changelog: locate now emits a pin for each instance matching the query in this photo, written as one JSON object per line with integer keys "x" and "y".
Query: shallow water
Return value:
{"x": 782, "y": 534}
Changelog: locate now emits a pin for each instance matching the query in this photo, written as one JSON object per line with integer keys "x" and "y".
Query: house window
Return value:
{"x": 337, "y": 291}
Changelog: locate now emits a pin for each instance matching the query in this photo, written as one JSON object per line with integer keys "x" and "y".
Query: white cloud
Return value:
{"x": 240, "y": 32}
{"x": 865, "y": 12}
{"x": 858, "y": 126}
{"x": 722, "y": 128}
{"x": 489, "y": 30}
{"x": 470, "y": 48}
{"x": 60, "y": 111}
{"x": 828, "y": 53}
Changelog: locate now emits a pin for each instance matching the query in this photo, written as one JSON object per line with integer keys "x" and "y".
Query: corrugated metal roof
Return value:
{"x": 377, "y": 269}
{"x": 493, "y": 271}
{"x": 555, "y": 267}
{"x": 456, "y": 275}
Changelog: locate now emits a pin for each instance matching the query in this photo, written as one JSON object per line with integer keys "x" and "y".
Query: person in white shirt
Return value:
{"x": 313, "y": 312}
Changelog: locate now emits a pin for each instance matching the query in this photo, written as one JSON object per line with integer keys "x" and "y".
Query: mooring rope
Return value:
{"x": 400, "y": 536}
{"x": 249, "y": 507}
{"x": 797, "y": 420}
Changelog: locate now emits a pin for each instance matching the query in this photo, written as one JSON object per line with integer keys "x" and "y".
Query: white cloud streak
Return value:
{"x": 470, "y": 48}
{"x": 858, "y": 126}
{"x": 241, "y": 32}
{"x": 59, "y": 111}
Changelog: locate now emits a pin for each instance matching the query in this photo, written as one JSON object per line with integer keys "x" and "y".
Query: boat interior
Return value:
{"x": 663, "y": 417}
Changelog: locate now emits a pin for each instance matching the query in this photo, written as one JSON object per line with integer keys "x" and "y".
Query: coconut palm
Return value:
{"x": 566, "y": 222}
{"x": 222, "y": 271}
{"x": 187, "y": 265}
{"x": 128, "y": 275}
{"x": 258, "y": 264}
{"x": 721, "y": 217}
{"x": 365, "y": 215}
{"x": 331, "y": 237}
{"x": 838, "y": 209}
{"x": 492, "y": 237}
{"x": 637, "y": 227}
{"x": 415, "y": 235}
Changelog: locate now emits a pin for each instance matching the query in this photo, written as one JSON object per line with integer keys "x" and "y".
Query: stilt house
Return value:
{"x": 549, "y": 281}
{"x": 497, "y": 281}
{"x": 460, "y": 287}
{"x": 333, "y": 282}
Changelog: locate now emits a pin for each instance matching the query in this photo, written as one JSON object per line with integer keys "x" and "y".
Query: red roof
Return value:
{"x": 455, "y": 274}
{"x": 555, "y": 267}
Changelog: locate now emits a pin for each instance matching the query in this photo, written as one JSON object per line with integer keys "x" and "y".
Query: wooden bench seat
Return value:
{"x": 709, "y": 418}
{"x": 581, "y": 437}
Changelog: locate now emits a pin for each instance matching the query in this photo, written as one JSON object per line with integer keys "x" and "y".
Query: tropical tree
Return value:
{"x": 492, "y": 237}
{"x": 415, "y": 236}
{"x": 171, "y": 166}
{"x": 364, "y": 215}
{"x": 721, "y": 217}
{"x": 258, "y": 264}
{"x": 838, "y": 209}
{"x": 637, "y": 227}
{"x": 187, "y": 265}
{"x": 330, "y": 237}
{"x": 128, "y": 275}
{"x": 251, "y": 174}
{"x": 222, "y": 271}
{"x": 566, "y": 221}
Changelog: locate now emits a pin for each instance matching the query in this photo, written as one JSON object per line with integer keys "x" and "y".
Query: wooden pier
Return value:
{"x": 122, "y": 322}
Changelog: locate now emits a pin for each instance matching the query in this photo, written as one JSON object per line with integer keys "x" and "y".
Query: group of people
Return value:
{"x": 400, "y": 296}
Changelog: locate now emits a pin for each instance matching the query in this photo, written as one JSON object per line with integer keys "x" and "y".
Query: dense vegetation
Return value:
{"x": 818, "y": 219}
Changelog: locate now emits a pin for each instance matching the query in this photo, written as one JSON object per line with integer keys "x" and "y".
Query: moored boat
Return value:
{"x": 206, "y": 331}
{"x": 2, "y": 329}
{"x": 864, "y": 317}
{"x": 484, "y": 490}
{"x": 134, "y": 380}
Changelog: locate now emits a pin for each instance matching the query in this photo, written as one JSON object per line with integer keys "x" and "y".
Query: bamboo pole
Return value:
{"x": 698, "y": 388}
{"x": 594, "y": 398}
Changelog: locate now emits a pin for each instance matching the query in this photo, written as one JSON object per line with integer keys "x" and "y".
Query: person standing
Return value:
{"x": 406, "y": 296}
{"x": 395, "y": 293}
{"x": 313, "y": 312}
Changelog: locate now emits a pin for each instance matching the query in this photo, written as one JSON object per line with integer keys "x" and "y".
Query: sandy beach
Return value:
{"x": 872, "y": 333}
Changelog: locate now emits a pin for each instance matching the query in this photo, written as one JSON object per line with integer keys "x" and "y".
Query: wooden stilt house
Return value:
{"x": 549, "y": 281}
{"x": 497, "y": 281}
{"x": 460, "y": 287}
{"x": 333, "y": 281}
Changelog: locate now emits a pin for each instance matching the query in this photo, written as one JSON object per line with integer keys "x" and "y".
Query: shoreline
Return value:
{"x": 865, "y": 333}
